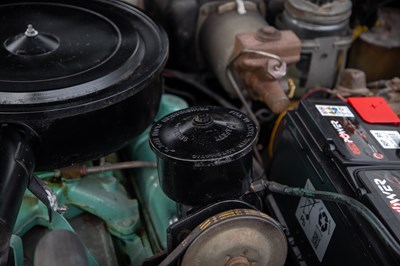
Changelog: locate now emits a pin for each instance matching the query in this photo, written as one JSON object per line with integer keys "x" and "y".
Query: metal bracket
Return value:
{"x": 46, "y": 196}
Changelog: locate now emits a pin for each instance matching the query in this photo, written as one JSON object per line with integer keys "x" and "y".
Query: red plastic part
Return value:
{"x": 374, "y": 110}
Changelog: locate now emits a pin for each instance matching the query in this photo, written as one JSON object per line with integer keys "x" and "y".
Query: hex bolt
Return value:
{"x": 202, "y": 120}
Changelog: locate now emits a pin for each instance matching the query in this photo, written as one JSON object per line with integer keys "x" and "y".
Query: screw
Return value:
{"x": 30, "y": 31}
{"x": 62, "y": 209}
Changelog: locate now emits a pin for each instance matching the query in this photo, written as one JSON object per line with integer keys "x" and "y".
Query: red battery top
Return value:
{"x": 374, "y": 110}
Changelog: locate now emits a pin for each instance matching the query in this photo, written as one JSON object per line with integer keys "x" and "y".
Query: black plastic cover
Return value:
{"x": 85, "y": 76}
{"x": 204, "y": 154}
{"x": 383, "y": 186}
{"x": 52, "y": 51}
{"x": 354, "y": 141}
{"x": 204, "y": 136}
{"x": 325, "y": 145}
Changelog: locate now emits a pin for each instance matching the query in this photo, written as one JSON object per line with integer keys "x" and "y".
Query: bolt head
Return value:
{"x": 268, "y": 33}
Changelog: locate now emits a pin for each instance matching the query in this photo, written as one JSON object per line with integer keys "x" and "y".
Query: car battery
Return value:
{"x": 328, "y": 145}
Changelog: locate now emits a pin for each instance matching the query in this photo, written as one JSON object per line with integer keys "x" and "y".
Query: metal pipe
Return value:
{"x": 77, "y": 171}
{"x": 118, "y": 166}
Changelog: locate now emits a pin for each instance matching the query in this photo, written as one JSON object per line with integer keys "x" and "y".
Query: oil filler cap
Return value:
{"x": 204, "y": 153}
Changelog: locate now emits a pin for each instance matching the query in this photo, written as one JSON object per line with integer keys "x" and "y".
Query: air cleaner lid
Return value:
{"x": 52, "y": 51}
{"x": 203, "y": 134}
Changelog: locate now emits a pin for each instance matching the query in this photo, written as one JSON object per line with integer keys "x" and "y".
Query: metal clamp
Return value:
{"x": 234, "y": 84}
{"x": 257, "y": 52}
{"x": 45, "y": 195}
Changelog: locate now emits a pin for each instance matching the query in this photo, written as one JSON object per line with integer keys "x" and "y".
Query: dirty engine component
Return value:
{"x": 204, "y": 154}
{"x": 261, "y": 143}
{"x": 323, "y": 27}
{"x": 350, "y": 148}
{"x": 74, "y": 80}
{"x": 234, "y": 35}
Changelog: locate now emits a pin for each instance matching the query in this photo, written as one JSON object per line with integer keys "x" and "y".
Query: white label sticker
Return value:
{"x": 334, "y": 110}
{"x": 316, "y": 221}
{"x": 389, "y": 139}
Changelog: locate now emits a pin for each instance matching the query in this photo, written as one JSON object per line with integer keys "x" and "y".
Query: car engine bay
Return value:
{"x": 200, "y": 132}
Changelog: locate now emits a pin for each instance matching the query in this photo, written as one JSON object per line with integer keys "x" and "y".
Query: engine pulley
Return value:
{"x": 238, "y": 237}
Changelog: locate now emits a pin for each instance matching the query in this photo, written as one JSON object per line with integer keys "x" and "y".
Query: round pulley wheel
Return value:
{"x": 204, "y": 153}
{"x": 238, "y": 237}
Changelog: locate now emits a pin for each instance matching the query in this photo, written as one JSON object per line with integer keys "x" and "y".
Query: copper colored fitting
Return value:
{"x": 261, "y": 74}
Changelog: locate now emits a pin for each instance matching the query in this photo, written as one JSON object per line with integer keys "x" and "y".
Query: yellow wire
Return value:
{"x": 358, "y": 30}
{"x": 276, "y": 126}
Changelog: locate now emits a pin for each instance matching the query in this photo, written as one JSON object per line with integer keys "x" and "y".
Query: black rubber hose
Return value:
{"x": 387, "y": 238}
{"x": 17, "y": 161}
{"x": 205, "y": 90}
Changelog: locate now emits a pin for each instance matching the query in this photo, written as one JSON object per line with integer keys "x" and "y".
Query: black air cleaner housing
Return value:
{"x": 204, "y": 154}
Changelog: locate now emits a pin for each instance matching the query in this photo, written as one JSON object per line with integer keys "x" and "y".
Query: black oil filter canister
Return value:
{"x": 204, "y": 154}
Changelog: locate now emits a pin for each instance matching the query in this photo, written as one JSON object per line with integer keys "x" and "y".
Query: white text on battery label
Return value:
{"x": 334, "y": 110}
{"x": 316, "y": 222}
{"x": 389, "y": 139}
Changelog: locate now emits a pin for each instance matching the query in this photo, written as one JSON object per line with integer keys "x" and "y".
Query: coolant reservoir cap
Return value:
{"x": 210, "y": 135}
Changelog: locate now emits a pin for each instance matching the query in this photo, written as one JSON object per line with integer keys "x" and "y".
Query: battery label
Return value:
{"x": 357, "y": 142}
{"x": 383, "y": 186}
{"x": 316, "y": 222}
{"x": 389, "y": 139}
{"x": 334, "y": 110}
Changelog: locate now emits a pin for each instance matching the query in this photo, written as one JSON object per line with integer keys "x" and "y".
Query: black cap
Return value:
{"x": 210, "y": 135}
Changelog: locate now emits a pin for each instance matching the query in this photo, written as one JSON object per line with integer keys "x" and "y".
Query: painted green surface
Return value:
{"x": 103, "y": 196}
{"x": 16, "y": 246}
{"x": 160, "y": 208}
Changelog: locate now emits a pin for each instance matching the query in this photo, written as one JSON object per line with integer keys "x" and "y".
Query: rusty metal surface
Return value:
{"x": 93, "y": 232}
{"x": 239, "y": 261}
{"x": 352, "y": 82}
{"x": 388, "y": 89}
{"x": 377, "y": 51}
{"x": 377, "y": 62}
{"x": 237, "y": 240}
{"x": 284, "y": 44}
{"x": 319, "y": 11}
{"x": 261, "y": 74}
